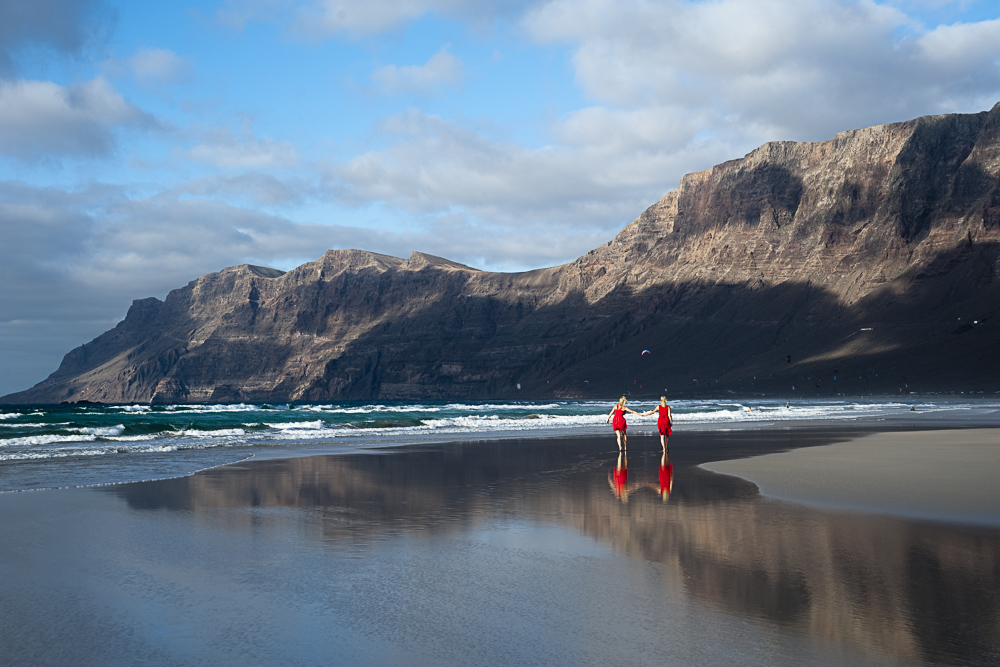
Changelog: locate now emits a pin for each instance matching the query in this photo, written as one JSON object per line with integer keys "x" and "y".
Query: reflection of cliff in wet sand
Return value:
{"x": 883, "y": 585}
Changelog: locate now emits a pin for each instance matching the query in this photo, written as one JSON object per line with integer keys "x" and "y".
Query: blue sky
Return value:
{"x": 144, "y": 144}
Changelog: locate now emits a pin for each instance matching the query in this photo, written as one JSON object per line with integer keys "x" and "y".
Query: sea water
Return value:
{"x": 78, "y": 445}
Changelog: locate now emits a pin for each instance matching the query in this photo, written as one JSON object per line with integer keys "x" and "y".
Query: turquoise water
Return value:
{"x": 74, "y": 445}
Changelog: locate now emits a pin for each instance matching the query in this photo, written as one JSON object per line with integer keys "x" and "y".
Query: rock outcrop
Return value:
{"x": 866, "y": 263}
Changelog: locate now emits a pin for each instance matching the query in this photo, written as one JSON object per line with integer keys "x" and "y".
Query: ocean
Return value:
{"x": 84, "y": 445}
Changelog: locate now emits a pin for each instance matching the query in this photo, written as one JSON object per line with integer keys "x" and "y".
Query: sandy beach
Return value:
{"x": 948, "y": 475}
{"x": 505, "y": 552}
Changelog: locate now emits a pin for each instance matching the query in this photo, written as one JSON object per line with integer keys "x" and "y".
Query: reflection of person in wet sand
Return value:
{"x": 662, "y": 485}
{"x": 666, "y": 475}
{"x": 663, "y": 422}
{"x": 618, "y": 478}
{"x": 617, "y": 419}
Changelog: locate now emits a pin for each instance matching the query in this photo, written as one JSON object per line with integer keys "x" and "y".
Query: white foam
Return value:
{"x": 51, "y": 425}
{"x": 47, "y": 439}
{"x": 295, "y": 426}
{"x": 220, "y": 433}
{"x": 67, "y": 452}
{"x": 316, "y": 434}
{"x": 353, "y": 410}
{"x": 10, "y": 415}
{"x": 101, "y": 431}
{"x": 238, "y": 407}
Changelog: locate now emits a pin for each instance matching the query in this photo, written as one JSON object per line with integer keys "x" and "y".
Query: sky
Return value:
{"x": 143, "y": 144}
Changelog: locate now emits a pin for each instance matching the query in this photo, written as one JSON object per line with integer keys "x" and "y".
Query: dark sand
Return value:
{"x": 514, "y": 552}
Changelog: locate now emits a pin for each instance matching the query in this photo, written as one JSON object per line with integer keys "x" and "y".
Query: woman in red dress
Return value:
{"x": 618, "y": 423}
{"x": 663, "y": 422}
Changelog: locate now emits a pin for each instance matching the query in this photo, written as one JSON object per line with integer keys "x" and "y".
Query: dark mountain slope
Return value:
{"x": 864, "y": 263}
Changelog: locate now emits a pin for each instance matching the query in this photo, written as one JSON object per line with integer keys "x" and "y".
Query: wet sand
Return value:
{"x": 507, "y": 552}
{"x": 948, "y": 475}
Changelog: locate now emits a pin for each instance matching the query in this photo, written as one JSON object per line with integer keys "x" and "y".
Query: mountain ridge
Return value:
{"x": 823, "y": 267}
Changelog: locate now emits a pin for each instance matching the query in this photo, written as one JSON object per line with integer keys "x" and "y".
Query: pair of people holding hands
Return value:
{"x": 663, "y": 423}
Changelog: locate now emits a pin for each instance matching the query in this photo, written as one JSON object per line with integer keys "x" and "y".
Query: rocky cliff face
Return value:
{"x": 864, "y": 263}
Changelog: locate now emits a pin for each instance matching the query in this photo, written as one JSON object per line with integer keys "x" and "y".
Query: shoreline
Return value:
{"x": 642, "y": 431}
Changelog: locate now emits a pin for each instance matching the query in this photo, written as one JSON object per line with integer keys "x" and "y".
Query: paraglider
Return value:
{"x": 645, "y": 352}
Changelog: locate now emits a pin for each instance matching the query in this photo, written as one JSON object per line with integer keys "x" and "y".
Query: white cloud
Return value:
{"x": 39, "y": 119}
{"x": 435, "y": 168}
{"x": 221, "y": 148}
{"x": 962, "y": 45}
{"x": 442, "y": 69}
{"x": 254, "y": 188}
{"x": 159, "y": 66}
{"x": 795, "y": 70}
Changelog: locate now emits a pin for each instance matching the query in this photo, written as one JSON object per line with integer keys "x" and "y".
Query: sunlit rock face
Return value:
{"x": 864, "y": 263}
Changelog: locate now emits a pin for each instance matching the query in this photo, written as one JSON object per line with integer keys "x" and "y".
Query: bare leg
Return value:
{"x": 666, "y": 441}
{"x": 618, "y": 434}
{"x": 625, "y": 437}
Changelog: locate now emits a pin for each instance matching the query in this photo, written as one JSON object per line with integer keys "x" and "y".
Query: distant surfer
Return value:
{"x": 664, "y": 422}
{"x": 617, "y": 419}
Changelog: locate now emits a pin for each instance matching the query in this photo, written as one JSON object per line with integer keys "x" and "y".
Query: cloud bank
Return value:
{"x": 40, "y": 119}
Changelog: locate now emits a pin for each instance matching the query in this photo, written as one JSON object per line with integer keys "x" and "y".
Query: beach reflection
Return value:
{"x": 914, "y": 591}
{"x": 661, "y": 483}
{"x": 618, "y": 477}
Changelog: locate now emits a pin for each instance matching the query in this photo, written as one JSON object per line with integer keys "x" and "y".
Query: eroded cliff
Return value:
{"x": 864, "y": 263}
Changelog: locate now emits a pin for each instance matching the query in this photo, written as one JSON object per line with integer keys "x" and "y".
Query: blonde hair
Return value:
{"x": 622, "y": 400}
{"x": 663, "y": 401}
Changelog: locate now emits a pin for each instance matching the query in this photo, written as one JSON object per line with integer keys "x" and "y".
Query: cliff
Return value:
{"x": 864, "y": 263}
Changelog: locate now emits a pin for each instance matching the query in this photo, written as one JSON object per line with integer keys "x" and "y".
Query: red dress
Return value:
{"x": 666, "y": 478}
{"x": 621, "y": 479}
{"x": 663, "y": 421}
{"x": 618, "y": 420}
